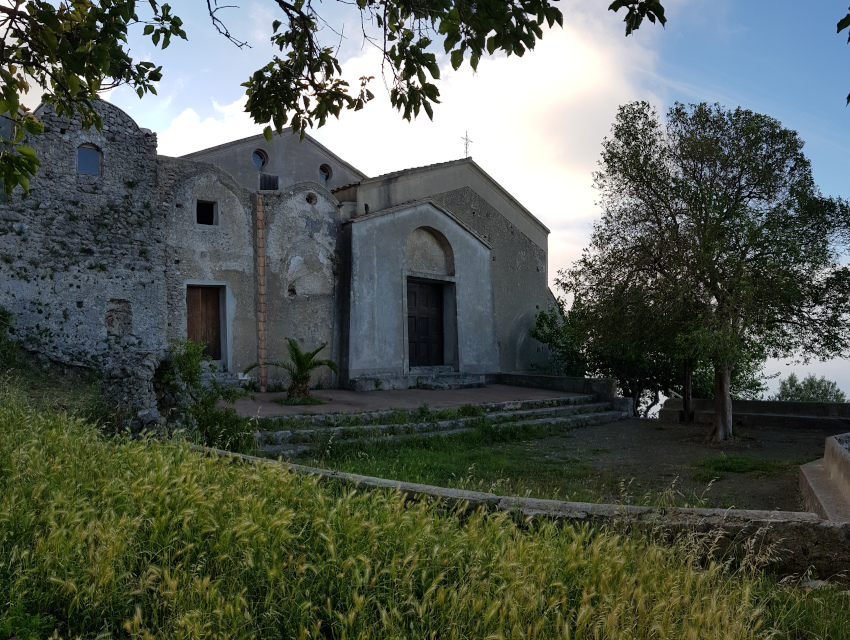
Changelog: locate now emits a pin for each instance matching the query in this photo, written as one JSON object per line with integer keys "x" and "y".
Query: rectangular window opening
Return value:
{"x": 268, "y": 182}
{"x": 205, "y": 213}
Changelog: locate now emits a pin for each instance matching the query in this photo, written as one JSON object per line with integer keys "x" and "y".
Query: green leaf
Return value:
{"x": 267, "y": 134}
{"x": 457, "y": 59}
{"x": 148, "y": 29}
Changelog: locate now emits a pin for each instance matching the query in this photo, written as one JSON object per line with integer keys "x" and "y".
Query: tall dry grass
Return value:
{"x": 113, "y": 538}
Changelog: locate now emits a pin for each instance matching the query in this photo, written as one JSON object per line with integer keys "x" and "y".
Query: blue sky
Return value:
{"x": 537, "y": 122}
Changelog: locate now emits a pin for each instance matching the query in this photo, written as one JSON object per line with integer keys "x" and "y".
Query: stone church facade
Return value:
{"x": 117, "y": 250}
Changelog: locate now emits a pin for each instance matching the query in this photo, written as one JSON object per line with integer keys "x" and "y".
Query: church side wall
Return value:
{"x": 81, "y": 256}
{"x": 518, "y": 272}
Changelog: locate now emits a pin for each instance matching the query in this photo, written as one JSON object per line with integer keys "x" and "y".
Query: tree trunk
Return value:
{"x": 299, "y": 387}
{"x": 687, "y": 393}
{"x": 722, "y": 429}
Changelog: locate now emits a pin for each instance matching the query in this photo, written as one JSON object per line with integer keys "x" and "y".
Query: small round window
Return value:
{"x": 260, "y": 158}
{"x": 325, "y": 174}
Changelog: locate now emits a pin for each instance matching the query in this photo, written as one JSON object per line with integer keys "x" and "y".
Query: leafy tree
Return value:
{"x": 715, "y": 222}
{"x": 74, "y": 49}
{"x": 811, "y": 389}
{"x": 301, "y": 364}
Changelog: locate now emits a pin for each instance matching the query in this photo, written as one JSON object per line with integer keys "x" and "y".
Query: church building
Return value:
{"x": 424, "y": 276}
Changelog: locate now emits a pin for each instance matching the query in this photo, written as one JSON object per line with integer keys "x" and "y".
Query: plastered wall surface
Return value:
{"x": 213, "y": 255}
{"x": 518, "y": 270}
{"x": 378, "y": 311}
{"x": 302, "y": 268}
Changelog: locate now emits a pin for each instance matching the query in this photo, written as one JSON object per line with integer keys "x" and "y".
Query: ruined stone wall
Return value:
{"x": 82, "y": 256}
{"x": 518, "y": 273}
{"x": 302, "y": 274}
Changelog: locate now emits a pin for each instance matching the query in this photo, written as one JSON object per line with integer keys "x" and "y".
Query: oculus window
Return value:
{"x": 325, "y": 174}
{"x": 88, "y": 160}
{"x": 260, "y": 158}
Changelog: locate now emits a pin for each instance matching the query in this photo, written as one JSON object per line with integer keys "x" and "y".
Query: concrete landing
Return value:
{"x": 343, "y": 401}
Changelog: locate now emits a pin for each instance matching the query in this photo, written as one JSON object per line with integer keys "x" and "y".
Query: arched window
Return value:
{"x": 88, "y": 160}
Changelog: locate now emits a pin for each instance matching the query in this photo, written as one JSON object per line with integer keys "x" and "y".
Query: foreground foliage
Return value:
{"x": 144, "y": 539}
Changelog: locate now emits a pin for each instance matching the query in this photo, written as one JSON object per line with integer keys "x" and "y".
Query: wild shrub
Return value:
{"x": 199, "y": 399}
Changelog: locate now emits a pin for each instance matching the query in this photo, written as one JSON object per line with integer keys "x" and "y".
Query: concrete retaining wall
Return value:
{"x": 794, "y": 541}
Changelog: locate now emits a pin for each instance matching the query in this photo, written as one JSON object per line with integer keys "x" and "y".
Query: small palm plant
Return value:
{"x": 300, "y": 366}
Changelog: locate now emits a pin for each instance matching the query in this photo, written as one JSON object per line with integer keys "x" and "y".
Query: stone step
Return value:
{"x": 293, "y": 442}
{"x": 549, "y": 412}
{"x": 418, "y": 380}
{"x": 308, "y": 420}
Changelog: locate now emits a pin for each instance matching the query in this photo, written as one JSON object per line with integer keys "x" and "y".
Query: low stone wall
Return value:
{"x": 767, "y": 413}
{"x": 793, "y": 542}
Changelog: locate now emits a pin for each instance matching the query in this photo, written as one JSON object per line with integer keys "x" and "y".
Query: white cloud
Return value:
{"x": 536, "y": 122}
{"x": 188, "y": 133}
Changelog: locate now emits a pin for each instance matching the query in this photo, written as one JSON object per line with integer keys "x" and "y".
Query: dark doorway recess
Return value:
{"x": 203, "y": 318}
{"x": 425, "y": 322}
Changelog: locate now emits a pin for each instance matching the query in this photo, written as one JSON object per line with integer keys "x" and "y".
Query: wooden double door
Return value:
{"x": 425, "y": 322}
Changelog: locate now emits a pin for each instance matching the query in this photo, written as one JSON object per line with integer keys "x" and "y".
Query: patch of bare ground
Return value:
{"x": 635, "y": 458}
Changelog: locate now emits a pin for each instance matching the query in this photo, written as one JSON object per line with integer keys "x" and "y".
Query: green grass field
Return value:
{"x": 486, "y": 459}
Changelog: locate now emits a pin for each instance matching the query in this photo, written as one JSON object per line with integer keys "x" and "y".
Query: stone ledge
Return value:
{"x": 820, "y": 495}
{"x": 836, "y": 462}
{"x": 795, "y": 541}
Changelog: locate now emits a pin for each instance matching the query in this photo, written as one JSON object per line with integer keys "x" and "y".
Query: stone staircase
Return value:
{"x": 306, "y": 431}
